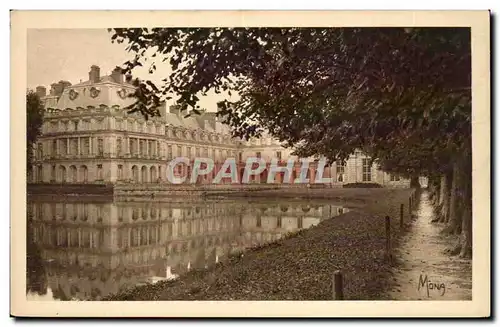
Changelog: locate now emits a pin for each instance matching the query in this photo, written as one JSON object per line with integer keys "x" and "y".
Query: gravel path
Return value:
{"x": 425, "y": 271}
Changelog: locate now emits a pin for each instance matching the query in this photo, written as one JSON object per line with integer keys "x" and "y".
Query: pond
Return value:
{"x": 88, "y": 249}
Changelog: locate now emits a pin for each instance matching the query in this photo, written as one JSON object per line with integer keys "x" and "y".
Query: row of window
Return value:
{"x": 142, "y": 127}
{"x": 144, "y": 147}
{"x": 101, "y": 124}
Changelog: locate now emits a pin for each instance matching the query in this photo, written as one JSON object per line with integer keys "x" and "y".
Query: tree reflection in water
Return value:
{"x": 36, "y": 279}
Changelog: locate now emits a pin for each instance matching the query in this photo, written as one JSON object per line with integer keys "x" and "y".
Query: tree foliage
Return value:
{"x": 34, "y": 121}
{"x": 393, "y": 92}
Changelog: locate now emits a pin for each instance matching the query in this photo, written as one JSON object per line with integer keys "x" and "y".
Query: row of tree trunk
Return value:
{"x": 451, "y": 193}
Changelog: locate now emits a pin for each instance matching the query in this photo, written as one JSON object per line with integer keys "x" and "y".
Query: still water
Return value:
{"x": 87, "y": 249}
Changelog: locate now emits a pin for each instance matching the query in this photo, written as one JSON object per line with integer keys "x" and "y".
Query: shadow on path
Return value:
{"x": 424, "y": 270}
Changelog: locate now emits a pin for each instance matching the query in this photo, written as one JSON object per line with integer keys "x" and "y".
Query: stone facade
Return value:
{"x": 87, "y": 137}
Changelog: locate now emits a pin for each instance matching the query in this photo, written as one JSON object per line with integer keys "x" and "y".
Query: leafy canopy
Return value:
{"x": 394, "y": 93}
{"x": 34, "y": 121}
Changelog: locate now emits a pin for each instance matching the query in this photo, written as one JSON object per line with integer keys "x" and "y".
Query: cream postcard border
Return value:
{"x": 479, "y": 21}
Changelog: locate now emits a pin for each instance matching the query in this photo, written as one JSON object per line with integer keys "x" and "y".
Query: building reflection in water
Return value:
{"x": 93, "y": 249}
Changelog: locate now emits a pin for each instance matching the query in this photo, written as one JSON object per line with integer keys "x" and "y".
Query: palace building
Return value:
{"x": 88, "y": 138}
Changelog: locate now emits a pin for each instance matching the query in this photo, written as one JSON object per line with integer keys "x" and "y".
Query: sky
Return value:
{"x": 67, "y": 54}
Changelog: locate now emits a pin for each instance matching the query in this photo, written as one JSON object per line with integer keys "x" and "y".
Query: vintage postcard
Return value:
{"x": 250, "y": 164}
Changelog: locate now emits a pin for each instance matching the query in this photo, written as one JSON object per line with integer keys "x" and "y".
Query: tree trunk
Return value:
{"x": 435, "y": 188}
{"x": 457, "y": 199}
{"x": 445, "y": 198}
{"x": 414, "y": 182}
{"x": 442, "y": 189}
{"x": 466, "y": 236}
{"x": 454, "y": 217}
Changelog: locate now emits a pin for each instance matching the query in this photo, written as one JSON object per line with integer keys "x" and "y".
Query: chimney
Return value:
{"x": 41, "y": 91}
{"x": 117, "y": 75}
{"x": 64, "y": 85}
{"x": 56, "y": 89}
{"x": 53, "y": 88}
{"x": 94, "y": 74}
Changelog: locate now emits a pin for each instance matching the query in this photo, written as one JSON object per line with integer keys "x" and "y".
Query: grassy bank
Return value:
{"x": 300, "y": 267}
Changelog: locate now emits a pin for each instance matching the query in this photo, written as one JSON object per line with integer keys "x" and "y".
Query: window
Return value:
{"x": 395, "y": 178}
{"x": 53, "y": 173}
{"x": 74, "y": 146}
{"x": 76, "y": 125}
{"x": 169, "y": 152}
{"x": 99, "y": 172}
{"x": 120, "y": 172}
{"x": 240, "y": 157}
{"x": 40, "y": 174}
{"x": 188, "y": 152}
{"x": 367, "y": 170}
{"x": 141, "y": 146}
{"x": 54, "y": 148}
{"x": 86, "y": 146}
{"x": 149, "y": 147}
{"x": 205, "y": 152}
{"x": 119, "y": 146}
{"x": 64, "y": 146}
{"x": 100, "y": 146}
{"x": 278, "y": 155}
{"x": 340, "y": 172}
{"x": 257, "y": 154}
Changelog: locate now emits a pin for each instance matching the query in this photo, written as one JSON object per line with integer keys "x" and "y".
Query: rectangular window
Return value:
{"x": 257, "y": 154}
{"x": 120, "y": 172}
{"x": 340, "y": 172}
{"x": 119, "y": 148}
{"x": 100, "y": 146}
{"x": 278, "y": 155}
{"x": 86, "y": 146}
{"x": 367, "y": 170}
{"x": 74, "y": 146}
{"x": 188, "y": 152}
{"x": 54, "y": 148}
{"x": 169, "y": 152}
{"x": 63, "y": 146}
{"x": 53, "y": 173}
{"x": 99, "y": 172}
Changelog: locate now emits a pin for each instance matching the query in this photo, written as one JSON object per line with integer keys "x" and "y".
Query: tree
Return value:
{"x": 402, "y": 95}
{"x": 34, "y": 121}
{"x": 35, "y": 273}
